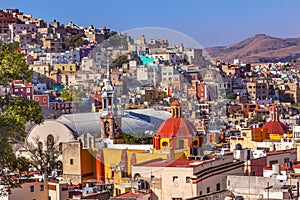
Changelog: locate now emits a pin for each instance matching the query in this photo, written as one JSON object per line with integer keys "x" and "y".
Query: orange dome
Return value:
{"x": 275, "y": 127}
{"x": 178, "y": 127}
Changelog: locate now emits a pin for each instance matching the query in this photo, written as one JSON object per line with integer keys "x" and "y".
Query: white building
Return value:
{"x": 63, "y": 58}
{"x": 167, "y": 73}
{"x": 194, "y": 56}
{"x": 87, "y": 64}
{"x": 40, "y": 88}
{"x": 15, "y": 29}
{"x": 183, "y": 179}
{"x": 148, "y": 75}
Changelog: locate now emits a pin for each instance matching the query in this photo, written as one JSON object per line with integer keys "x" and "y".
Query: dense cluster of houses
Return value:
{"x": 217, "y": 130}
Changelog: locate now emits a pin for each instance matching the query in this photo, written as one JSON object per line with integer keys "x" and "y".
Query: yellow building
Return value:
{"x": 154, "y": 95}
{"x": 41, "y": 69}
{"x": 249, "y": 138}
{"x": 70, "y": 67}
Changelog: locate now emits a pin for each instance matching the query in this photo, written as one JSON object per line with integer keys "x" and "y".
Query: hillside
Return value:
{"x": 259, "y": 48}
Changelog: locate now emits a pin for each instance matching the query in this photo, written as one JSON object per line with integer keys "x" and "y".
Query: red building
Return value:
{"x": 43, "y": 99}
{"x": 202, "y": 91}
{"x": 65, "y": 107}
{"x": 18, "y": 88}
{"x": 5, "y": 20}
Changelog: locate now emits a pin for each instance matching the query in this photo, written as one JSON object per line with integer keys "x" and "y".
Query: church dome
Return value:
{"x": 179, "y": 127}
{"x": 275, "y": 127}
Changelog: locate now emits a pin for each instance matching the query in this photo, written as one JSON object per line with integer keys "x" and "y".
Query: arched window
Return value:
{"x": 40, "y": 146}
{"x": 60, "y": 147}
{"x": 106, "y": 128}
{"x": 50, "y": 141}
{"x": 165, "y": 144}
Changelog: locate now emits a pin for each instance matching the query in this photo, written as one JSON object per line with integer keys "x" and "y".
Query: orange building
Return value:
{"x": 43, "y": 99}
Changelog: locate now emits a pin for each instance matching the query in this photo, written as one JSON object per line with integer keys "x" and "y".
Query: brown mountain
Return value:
{"x": 259, "y": 48}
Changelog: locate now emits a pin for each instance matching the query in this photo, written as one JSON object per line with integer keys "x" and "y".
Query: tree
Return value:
{"x": 258, "y": 117}
{"x": 43, "y": 160}
{"x": 15, "y": 112}
{"x": 231, "y": 96}
{"x": 73, "y": 41}
{"x": 120, "y": 60}
{"x": 70, "y": 94}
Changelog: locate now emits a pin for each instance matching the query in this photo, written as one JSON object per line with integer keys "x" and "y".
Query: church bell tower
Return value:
{"x": 110, "y": 122}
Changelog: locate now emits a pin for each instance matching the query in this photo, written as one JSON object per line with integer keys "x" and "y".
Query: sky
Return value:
{"x": 208, "y": 22}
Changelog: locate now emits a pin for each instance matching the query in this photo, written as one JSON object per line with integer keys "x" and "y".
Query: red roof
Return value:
{"x": 178, "y": 127}
{"x": 174, "y": 163}
{"x": 275, "y": 127}
{"x": 129, "y": 194}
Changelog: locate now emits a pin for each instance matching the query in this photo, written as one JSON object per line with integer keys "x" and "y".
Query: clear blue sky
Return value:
{"x": 209, "y": 22}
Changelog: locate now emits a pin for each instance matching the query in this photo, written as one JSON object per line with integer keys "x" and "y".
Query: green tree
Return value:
{"x": 73, "y": 41}
{"x": 231, "y": 96}
{"x": 12, "y": 64}
{"x": 15, "y": 112}
{"x": 258, "y": 117}
{"x": 70, "y": 94}
{"x": 120, "y": 60}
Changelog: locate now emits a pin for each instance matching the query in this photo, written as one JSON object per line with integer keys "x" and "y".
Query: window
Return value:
{"x": 31, "y": 188}
{"x": 40, "y": 146}
{"x": 28, "y": 90}
{"x": 200, "y": 193}
{"x": 50, "y": 141}
{"x": 188, "y": 179}
{"x": 41, "y": 187}
{"x": 208, "y": 190}
{"x": 181, "y": 144}
{"x": 71, "y": 161}
{"x": 60, "y": 147}
{"x": 286, "y": 160}
{"x": 44, "y": 99}
{"x": 244, "y": 134}
{"x": 165, "y": 144}
{"x": 175, "y": 180}
{"x": 218, "y": 186}
{"x": 176, "y": 198}
{"x": 152, "y": 179}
